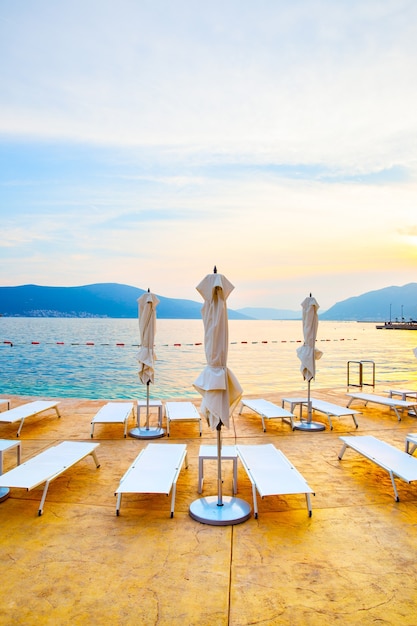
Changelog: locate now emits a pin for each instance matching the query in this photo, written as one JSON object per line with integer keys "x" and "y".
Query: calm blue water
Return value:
{"x": 262, "y": 354}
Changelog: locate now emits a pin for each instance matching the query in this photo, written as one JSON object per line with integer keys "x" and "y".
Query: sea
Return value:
{"x": 96, "y": 358}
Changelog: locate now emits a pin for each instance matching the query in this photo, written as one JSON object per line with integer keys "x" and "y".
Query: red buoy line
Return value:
{"x": 165, "y": 345}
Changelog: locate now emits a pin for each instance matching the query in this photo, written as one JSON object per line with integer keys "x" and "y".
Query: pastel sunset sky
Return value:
{"x": 145, "y": 141}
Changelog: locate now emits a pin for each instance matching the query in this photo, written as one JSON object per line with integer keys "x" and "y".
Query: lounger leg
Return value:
{"x": 397, "y": 499}
{"x": 45, "y": 491}
{"x": 118, "y": 503}
{"x": 57, "y": 411}
{"x": 263, "y": 423}
{"x": 354, "y": 421}
{"x": 397, "y": 413}
{"x": 200, "y": 474}
{"x": 330, "y": 422}
{"x": 94, "y": 455}
{"x": 255, "y": 502}
{"x": 20, "y": 428}
{"x": 92, "y": 430}
{"x": 349, "y": 403}
{"x": 407, "y": 447}
{"x": 174, "y": 489}
{"x": 342, "y": 451}
{"x": 310, "y": 511}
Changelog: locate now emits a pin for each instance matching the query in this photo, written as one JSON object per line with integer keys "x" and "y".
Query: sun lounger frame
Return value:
{"x": 267, "y": 410}
{"x": 182, "y": 412}
{"x": 20, "y": 413}
{"x": 322, "y": 406}
{"x": 155, "y": 470}
{"x": 47, "y": 466}
{"x": 113, "y": 413}
{"x": 394, "y": 461}
{"x": 272, "y": 474}
{"x": 384, "y": 401}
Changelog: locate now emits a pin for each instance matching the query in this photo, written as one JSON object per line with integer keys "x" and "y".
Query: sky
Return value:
{"x": 145, "y": 141}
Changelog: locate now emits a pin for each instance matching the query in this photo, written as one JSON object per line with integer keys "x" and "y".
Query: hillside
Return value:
{"x": 377, "y": 305}
{"x": 100, "y": 300}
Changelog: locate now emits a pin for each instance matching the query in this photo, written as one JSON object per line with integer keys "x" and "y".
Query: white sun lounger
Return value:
{"x": 271, "y": 473}
{"x": 403, "y": 393}
{"x": 48, "y": 465}
{"x": 390, "y": 402}
{"x": 321, "y": 406}
{"x": 267, "y": 410}
{"x": 20, "y": 413}
{"x": 182, "y": 412}
{"x": 155, "y": 470}
{"x": 394, "y": 461}
{"x": 113, "y": 413}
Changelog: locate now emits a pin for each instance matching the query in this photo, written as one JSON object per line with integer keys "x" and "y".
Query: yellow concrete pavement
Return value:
{"x": 353, "y": 562}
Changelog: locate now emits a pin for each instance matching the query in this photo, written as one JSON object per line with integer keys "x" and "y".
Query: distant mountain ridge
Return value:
{"x": 395, "y": 302}
{"x": 98, "y": 300}
{"x": 116, "y": 300}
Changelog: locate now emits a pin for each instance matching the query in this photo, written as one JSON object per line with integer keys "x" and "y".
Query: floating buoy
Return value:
{"x": 35, "y": 343}
{"x": 59, "y": 343}
{"x": 120, "y": 344}
{"x": 177, "y": 344}
{"x": 89, "y": 343}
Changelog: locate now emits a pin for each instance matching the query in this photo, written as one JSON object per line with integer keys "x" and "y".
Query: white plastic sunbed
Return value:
{"x": 267, "y": 410}
{"x": 155, "y": 470}
{"x": 113, "y": 413}
{"x": 394, "y": 461}
{"x": 48, "y": 465}
{"x": 390, "y": 402}
{"x": 20, "y": 413}
{"x": 322, "y": 406}
{"x": 182, "y": 412}
{"x": 271, "y": 473}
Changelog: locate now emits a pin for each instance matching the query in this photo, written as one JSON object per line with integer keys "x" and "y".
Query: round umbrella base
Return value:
{"x": 4, "y": 494}
{"x": 208, "y": 511}
{"x": 147, "y": 433}
{"x": 309, "y": 426}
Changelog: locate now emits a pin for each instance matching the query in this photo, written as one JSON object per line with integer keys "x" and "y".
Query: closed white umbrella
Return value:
{"x": 146, "y": 356}
{"x": 221, "y": 392}
{"x": 308, "y": 355}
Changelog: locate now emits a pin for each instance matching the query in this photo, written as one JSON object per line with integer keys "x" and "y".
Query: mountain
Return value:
{"x": 100, "y": 300}
{"x": 376, "y": 306}
{"x": 259, "y": 313}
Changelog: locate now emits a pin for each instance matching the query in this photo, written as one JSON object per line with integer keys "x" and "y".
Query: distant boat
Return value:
{"x": 410, "y": 325}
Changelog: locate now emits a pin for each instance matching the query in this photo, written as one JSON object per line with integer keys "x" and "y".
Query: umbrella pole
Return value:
{"x": 219, "y": 465}
{"x": 309, "y": 409}
{"x": 147, "y": 405}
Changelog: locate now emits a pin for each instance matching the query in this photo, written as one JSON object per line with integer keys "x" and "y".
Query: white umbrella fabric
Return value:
{"x": 146, "y": 356}
{"x": 217, "y": 384}
{"x": 221, "y": 392}
{"x": 308, "y": 355}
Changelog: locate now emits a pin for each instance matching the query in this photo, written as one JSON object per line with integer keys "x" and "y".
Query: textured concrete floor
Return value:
{"x": 353, "y": 562}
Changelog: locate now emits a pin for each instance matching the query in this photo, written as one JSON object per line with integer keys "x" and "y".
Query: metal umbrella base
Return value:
{"x": 309, "y": 426}
{"x": 153, "y": 432}
{"x": 4, "y": 493}
{"x": 209, "y": 511}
